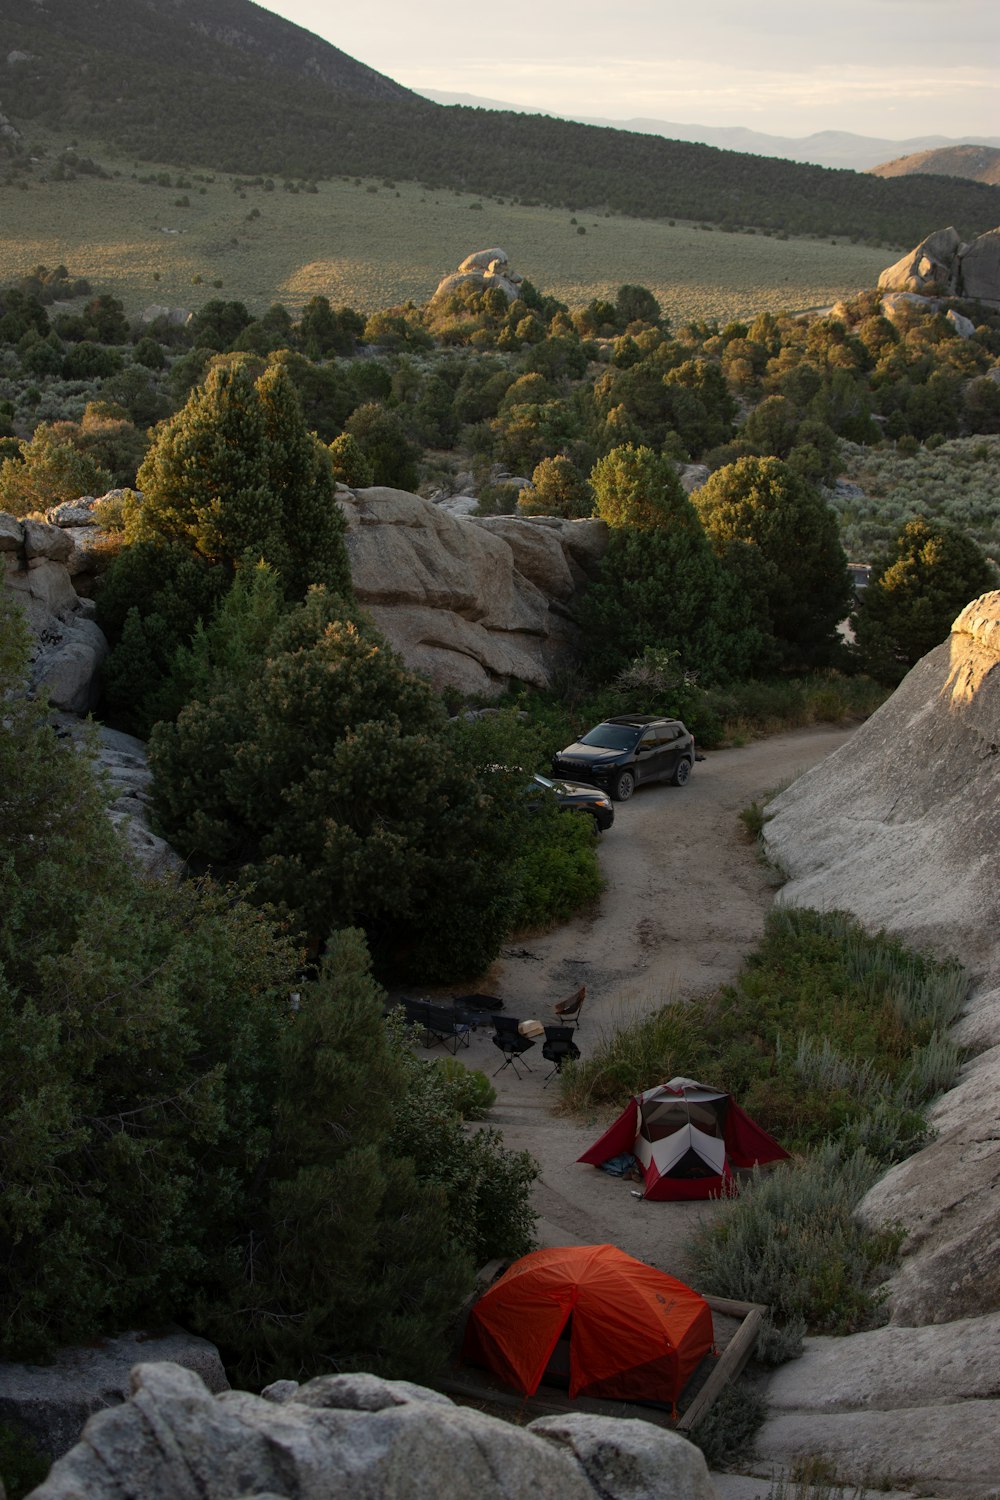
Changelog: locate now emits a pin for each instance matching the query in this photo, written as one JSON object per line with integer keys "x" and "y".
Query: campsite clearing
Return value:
{"x": 685, "y": 901}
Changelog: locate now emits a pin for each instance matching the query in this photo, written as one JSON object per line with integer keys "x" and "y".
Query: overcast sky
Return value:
{"x": 892, "y": 68}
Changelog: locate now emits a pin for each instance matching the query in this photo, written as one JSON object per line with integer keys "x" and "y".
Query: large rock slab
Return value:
{"x": 350, "y": 1438}
{"x": 52, "y": 1402}
{"x": 934, "y": 1450}
{"x": 471, "y": 604}
{"x": 890, "y": 1368}
{"x": 901, "y": 826}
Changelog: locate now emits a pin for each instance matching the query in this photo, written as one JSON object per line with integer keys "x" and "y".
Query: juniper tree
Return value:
{"x": 917, "y": 588}
{"x": 330, "y": 776}
{"x": 349, "y": 1262}
{"x": 236, "y": 474}
{"x": 774, "y": 533}
{"x": 660, "y": 585}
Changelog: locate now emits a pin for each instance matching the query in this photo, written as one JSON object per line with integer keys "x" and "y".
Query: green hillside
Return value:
{"x": 224, "y": 82}
{"x": 371, "y": 246}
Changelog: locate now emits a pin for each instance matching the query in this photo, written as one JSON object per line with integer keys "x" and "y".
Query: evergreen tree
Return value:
{"x": 48, "y": 470}
{"x": 660, "y": 585}
{"x": 917, "y": 588}
{"x": 330, "y": 774}
{"x": 350, "y": 1263}
{"x": 138, "y": 1030}
{"x": 774, "y": 532}
{"x": 236, "y": 474}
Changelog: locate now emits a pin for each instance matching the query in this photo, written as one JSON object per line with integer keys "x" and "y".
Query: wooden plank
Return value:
{"x": 731, "y": 1362}
{"x": 734, "y": 1309}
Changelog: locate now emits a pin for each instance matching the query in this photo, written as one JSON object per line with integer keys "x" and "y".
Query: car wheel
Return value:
{"x": 624, "y": 786}
{"x": 682, "y": 773}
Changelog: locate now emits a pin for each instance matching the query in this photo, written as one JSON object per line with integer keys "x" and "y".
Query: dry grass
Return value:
{"x": 371, "y": 249}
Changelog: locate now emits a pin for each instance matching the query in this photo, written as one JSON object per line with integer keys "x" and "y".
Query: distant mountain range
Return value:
{"x": 226, "y": 85}
{"x": 826, "y": 148}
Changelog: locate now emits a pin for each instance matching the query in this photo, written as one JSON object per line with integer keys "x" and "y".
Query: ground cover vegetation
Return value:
{"x": 835, "y": 1040}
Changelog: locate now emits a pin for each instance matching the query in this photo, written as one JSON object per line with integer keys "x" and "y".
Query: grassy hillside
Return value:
{"x": 222, "y": 81}
{"x": 370, "y": 246}
{"x": 977, "y": 163}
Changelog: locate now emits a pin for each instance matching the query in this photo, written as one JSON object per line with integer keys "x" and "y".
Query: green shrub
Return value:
{"x": 471, "y": 1092}
{"x": 22, "y": 1467}
{"x": 792, "y": 1242}
{"x": 557, "y": 869}
{"x": 726, "y": 1433}
{"x": 811, "y": 1038}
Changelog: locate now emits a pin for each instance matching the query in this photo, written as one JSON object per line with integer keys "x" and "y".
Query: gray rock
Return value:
{"x": 67, "y": 668}
{"x": 121, "y": 759}
{"x": 177, "y": 317}
{"x": 902, "y": 827}
{"x": 964, "y": 327}
{"x": 890, "y": 1368}
{"x": 693, "y": 476}
{"x": 43, "y": 540}
{"x": 484, "y": 270}
{"x": 937, "y": 1450}
{"x": 52, "y": 1402}
{"x": 980, "y": 267}
{"x": 11, "y": 534}
{"x": 931, "y": 264}
{"x": 472, "y": 606}
{"x": 631, "y": 1460}
{"x": 73, "y": 513}
{"x": 356, "y": 1438}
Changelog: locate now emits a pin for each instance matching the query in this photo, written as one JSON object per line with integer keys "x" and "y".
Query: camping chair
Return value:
{"x": 570, "y": 1008}
{"x": 511, "y": 1043}
{"x": 557, "y": 1047}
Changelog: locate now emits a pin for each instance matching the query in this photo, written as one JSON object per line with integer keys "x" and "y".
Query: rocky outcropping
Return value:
{"x": 50, "y": 1403}
{"x": 483, "y": 271}
{"x": 343, "y": 1437}
{"x": 944, "y": 264}
{"x": 902, "y": 827}
{"x": 42, "y": 563}
{"x": 472, "y": 603}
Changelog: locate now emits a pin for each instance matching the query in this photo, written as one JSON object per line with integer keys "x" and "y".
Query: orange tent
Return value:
{"x": 635, "y": 1333}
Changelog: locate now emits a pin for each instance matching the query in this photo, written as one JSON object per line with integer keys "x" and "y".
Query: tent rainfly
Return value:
{"x": 686, "y": 1137}
{"x": 633, "y": 1333}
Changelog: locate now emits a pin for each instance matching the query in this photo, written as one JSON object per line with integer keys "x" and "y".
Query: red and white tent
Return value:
{"x": 686, "y": 1137}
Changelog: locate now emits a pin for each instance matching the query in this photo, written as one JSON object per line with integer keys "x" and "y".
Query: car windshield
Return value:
{"x": 611, "y": 737}
{"x": 540, "y": 780}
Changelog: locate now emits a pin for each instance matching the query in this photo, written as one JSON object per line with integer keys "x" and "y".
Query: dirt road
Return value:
{"x": 686, "y": 898}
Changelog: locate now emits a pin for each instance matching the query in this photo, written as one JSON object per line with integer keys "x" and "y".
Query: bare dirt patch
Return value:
{"x": 686, "y": 899}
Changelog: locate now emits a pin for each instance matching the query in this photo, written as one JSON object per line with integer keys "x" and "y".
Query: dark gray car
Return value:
{"x": 623, "y": 753}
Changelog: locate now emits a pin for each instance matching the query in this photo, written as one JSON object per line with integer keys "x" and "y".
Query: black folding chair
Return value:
{"x": 559, "y": 1047}
{"x": 511, "y": 1043}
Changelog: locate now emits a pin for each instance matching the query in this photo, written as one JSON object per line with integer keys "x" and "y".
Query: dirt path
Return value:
{"x": 685, "y": 900}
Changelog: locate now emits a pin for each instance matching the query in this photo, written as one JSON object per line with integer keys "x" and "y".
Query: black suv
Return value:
{"x": 622, "y": 753}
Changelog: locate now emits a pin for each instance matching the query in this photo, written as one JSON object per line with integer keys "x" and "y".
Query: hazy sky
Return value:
{"x": 893, "y": 68}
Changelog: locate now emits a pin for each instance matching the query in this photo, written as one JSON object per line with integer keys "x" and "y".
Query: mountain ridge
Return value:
{"x": 822, "y": 148}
